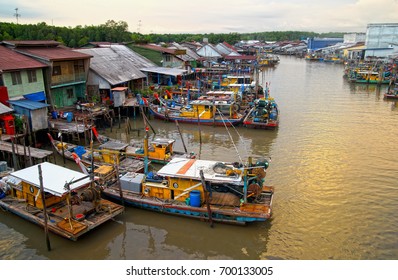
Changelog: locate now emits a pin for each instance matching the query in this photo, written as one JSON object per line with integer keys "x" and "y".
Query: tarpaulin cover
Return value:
{"x": 38, "y": 96}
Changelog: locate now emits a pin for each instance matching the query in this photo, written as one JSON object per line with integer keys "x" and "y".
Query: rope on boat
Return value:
{"x": 233, "y": 143}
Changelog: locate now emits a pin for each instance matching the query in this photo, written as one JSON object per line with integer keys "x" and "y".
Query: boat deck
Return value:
{"x": 221, "y": 207}
{"x": 58, "y": 221}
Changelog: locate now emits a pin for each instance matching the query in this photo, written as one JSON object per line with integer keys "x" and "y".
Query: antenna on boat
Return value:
{"x": 200, "y": 134}
{"x": 146, "y": 150}
{"x": 146, "y": 121}
{"x": 182, "y": 139}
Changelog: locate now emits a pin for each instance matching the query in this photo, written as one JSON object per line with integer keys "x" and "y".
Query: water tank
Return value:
{"x": 194, "y": 198}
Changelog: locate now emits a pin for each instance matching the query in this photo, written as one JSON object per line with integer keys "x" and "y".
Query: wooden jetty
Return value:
{"x": 19, "y": 155}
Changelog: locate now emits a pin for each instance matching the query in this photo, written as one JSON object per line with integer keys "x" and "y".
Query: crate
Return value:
{"x": 132, "y": 181}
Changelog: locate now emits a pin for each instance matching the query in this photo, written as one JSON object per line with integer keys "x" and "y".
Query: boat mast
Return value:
{"x": 256, "y": 73}
{"x": 43, "y": 200}
{"x": 146, "y": 150}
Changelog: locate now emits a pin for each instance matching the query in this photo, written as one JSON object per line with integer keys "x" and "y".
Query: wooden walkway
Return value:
{"x": 20, "y": 150}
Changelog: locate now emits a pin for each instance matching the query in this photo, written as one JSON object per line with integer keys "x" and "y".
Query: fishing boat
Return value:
{"x": 314, "y": 57}
{"x": 268, "y": 60}
{"x": 333, "y": 59}
{"x": 108, "y": 153}
{"x": 160, "y": 150}
{"x": 202, "y": 189}
{"x": 369, "y": 77}
{"x": 70, "y": 200}
{"x": 203, "y": 111}
{"x": 264, "y": 113}
{"x": 392, "y": 91}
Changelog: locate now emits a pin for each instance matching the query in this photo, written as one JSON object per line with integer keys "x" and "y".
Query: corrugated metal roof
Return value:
{"x": 4, "y": 109}
{"x": 190, "y": 169}
{"x": 190, "y": 56}
{"x": 117, "y": 63}
{"x": 54, "y": 177}
{"x": 164, "y": 70}
{"x": 158, "y": 48}
{"x": 53, "y": 53}
{"x": 31, "y": 43}
{"x": 225, "y": 50}
{"x": 28, "y": 104}
{"x": 208, "y": 51}
{"x": 11, "y": 60}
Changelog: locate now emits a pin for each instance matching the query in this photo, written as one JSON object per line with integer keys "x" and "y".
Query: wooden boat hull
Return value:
{"x": 391, "y": 96}
{"x": 267, "y": 125}
{"x": 125, "y": 165}
{"x": 213, "y": 122}
{"x": 221, "y": 214}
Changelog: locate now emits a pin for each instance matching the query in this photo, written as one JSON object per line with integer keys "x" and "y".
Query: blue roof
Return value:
{"x": 28, "y": 104}
{"x": 37, "y": 96}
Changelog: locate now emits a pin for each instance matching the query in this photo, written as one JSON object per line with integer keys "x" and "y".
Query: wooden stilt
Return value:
{"x": 43, "y": 199}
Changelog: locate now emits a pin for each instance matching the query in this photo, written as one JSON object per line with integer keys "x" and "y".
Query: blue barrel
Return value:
{"x": 194, "y": 198}
{"x": 69, "y": 117}
{"x": 273, "y": 115}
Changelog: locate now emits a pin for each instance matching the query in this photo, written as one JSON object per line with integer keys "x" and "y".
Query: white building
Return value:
{"x": 354, "y": 38}
{"x": 381, "y": 39}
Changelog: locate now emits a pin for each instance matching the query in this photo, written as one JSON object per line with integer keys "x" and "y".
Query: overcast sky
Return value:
{"x": 205, "y": 16}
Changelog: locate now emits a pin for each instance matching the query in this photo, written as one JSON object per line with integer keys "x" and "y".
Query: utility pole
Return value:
{"x": 16, "y": 14}
{"x": 139, "y": 27}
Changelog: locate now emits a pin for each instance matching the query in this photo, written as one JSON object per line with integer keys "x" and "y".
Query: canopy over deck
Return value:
{"x": 54, "y": 177}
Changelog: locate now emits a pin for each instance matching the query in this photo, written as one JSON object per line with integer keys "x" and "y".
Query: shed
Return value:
{"x": 35, "y": 111}
{"x": 119, "y": 96}
{"x": 6, "y": 120}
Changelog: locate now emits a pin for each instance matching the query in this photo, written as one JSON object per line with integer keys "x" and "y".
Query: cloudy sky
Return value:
{"x": 205, "y": 16}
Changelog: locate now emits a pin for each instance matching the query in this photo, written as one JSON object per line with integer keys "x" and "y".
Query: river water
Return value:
{"x": 334, "y": 169}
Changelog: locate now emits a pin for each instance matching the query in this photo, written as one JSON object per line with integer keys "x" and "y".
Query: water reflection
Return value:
{"x": 28, "y": 241}
{"x": 334, "y": 169}
{"x": 181, "y": 238}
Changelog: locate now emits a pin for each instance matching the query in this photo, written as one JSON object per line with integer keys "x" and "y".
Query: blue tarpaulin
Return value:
{"x": 38, "y": 96}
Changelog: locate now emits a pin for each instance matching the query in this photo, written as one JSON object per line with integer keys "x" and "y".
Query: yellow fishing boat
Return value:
{"x": 63, "y": 201}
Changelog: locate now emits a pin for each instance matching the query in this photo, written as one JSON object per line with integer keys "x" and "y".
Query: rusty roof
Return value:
{"x": 158, "y": 48}
{"x": 53, "y": 53}
{"x": 31, "y": 43}
{"x": 11, "y": 60}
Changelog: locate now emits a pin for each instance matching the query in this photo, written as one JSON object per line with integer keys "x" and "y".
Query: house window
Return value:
{"x": 32, "y": 76}
{"x": 79, "y": 66}
{"x": 16, "y": 78}
{"x": 168, "y": 58}
{"x": 69, "y": 93}
{"x": 56, "y": 70}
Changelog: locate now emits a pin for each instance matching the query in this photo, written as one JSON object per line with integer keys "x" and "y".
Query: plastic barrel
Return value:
{"x": 69, "y": 117}
{"x": 194, "y": 198}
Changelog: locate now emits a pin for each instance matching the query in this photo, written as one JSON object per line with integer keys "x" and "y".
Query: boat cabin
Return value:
{"x": 25, "y": 184}
{"x": 207, "y": 108}
{"x": 159, "y": 149}
{"x": 70, "y": 201}
{"x": 202, "y": 109}
{"x": 181, "y": 176}
{"x": 111, "y": 151}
